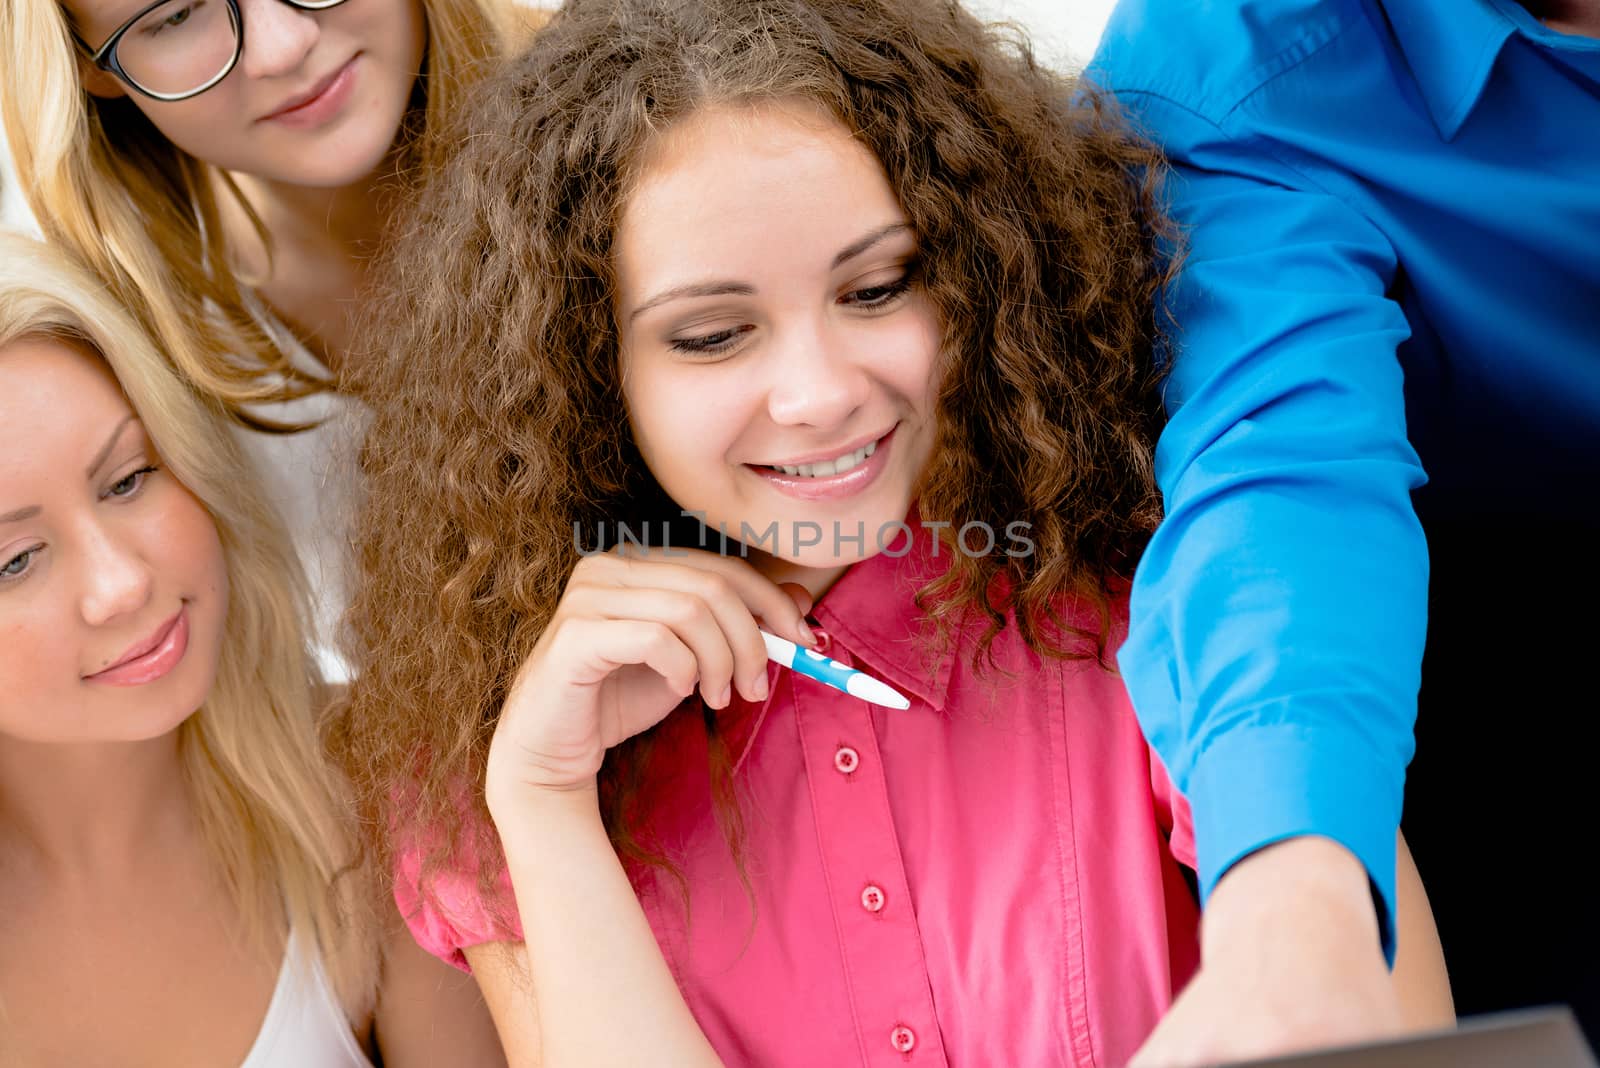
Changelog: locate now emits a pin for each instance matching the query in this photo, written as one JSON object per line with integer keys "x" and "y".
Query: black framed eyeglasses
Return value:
{"x": 175, "y": 49}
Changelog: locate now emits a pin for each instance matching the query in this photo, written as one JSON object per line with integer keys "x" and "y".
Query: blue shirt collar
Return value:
{"x": 1451, "y": 49}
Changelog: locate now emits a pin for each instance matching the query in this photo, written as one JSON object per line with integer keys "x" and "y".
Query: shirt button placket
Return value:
{"x": 862, "y": 863}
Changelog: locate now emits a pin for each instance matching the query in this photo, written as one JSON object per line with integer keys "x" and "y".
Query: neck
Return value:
{"x": 84, "y": 810}
{"x": 344, "y": 221}
{"x": 1581, "y": 17}
{"x": 815, "y": 580}
{"x": 322, "y": 243}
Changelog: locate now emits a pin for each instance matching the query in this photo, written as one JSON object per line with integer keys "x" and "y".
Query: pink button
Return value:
{"x": 846, "y": 759}
{"x": 824, "y": 639}
{"x": 903, "y": 1039}
{"x": 872, "y": 899}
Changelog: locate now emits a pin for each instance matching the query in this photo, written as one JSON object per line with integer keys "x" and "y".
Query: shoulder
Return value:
{"x": 1208, "y": 56}
{"x": 1087, "y": 631}
{"x": 440, "y": 893}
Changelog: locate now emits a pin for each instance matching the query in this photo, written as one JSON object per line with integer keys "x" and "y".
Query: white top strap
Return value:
{"x": 305, "y": 1026}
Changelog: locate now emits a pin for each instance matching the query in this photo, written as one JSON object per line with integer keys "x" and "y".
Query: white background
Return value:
{"x": 1064, "y": 33}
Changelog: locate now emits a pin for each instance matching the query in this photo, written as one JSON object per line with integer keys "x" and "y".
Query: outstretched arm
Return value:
{"x": 1277, "y": 624}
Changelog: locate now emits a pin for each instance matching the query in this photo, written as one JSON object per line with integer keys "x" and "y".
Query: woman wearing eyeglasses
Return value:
{"x": 226, "y": 166}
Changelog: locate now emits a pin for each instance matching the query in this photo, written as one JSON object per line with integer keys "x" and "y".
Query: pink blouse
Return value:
{"x": 988, "y": 878}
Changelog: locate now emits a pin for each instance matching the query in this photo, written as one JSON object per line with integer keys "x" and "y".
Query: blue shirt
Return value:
{"x": 1393, "y": 214}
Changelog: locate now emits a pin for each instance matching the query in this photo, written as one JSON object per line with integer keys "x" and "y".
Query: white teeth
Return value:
{"x": 837, "y": 466}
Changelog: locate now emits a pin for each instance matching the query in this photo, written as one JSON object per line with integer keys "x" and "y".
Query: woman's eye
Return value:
{"x": 880, "y": 295}
{"x": 128, "y": 485}
{"x": 172, "y": 21}
{"x": 707, "y": 344}
{"x": 18, "y": 564}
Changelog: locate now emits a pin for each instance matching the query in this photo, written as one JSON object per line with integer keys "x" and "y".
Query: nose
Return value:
{"x": 817, "y": 380}
{"x": 117, "y": 579}
{"x": 277, "y": 37}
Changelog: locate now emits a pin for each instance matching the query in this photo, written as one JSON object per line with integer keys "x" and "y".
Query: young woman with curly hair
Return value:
{"x": 832, "y": 318}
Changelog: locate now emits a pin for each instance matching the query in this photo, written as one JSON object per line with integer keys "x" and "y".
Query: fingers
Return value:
{"x": 778, "y": 608}
{"x": 710, "y": 608}
{"x": 609, "y": 644}
{"x": 714, "y": 627}
{"x": 712, "y": 602}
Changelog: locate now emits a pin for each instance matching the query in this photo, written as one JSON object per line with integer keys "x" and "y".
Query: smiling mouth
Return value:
{"x": 837, "y": 466}
{"x": 829, "y": 468}
{"x": 152, "y": 658}
{"x": 319, "y": 91}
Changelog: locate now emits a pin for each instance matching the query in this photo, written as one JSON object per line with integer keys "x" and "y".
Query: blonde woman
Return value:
{"x": 177, "y": 876}
{"x": 227, "y": 166}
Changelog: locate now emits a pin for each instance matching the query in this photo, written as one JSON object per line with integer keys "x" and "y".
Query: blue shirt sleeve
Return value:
{"x": 1278, "y": 615}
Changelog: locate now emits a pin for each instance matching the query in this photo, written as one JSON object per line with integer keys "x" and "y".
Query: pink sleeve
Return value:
{"x": 1172, "y": 809}
{"x": 452, "y": 914}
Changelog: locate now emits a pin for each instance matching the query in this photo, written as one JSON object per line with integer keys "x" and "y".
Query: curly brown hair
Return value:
{"x": 498, "y": 418}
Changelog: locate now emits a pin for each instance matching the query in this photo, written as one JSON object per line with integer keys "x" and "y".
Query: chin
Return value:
{"x": 162, "y": 713}
{"x": 345, "y": 154}
{"x": 155, "y": 729}
{"x": 828, "y": 556}
{"x": 337, "y": 172}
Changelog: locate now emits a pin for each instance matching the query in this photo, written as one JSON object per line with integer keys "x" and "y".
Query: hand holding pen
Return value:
{"x": 632, "y": 637}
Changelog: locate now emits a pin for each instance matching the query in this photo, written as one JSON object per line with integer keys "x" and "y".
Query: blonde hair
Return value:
{"x": 275, "y": 816}
{"x": 101, "y": 180}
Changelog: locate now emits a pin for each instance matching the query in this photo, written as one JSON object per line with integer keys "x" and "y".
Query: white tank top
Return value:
{"x": 312, "y": 483}
{"x": 305, "y": 1026}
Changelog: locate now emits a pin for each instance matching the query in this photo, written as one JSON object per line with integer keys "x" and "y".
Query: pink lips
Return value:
{"x": 325, "y": 100}
{"x": 151, "y": 658}
{"x": 831, "y": 487}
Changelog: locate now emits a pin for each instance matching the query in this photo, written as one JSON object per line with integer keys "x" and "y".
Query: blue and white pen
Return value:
{"x": 796, "y": 658}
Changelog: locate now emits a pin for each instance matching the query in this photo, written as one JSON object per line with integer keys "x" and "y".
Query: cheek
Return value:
{"x": 28, "y": 645}
{"x": 200, "y": 125}
{"x": 398, "y": 30}
{"x": 665, "y": 435}
{"x": 417, "y": 39}
{"x": 906, "y": 357}
{"x": 188, "y": 547}
{"x": 38, "y": 663}
{"x": 685, "y": 418}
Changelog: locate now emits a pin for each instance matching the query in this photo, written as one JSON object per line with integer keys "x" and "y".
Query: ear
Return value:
{"x": 100, "y": 83}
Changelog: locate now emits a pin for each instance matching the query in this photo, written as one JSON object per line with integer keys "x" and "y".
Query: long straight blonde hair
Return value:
{"x": 274, "y": 814}
{"x": 101, "y": 180}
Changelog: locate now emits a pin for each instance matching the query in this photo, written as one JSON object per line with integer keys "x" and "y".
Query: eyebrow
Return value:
{"x": 695, "y": 289}
{"x": 745, "y": 289}
{"x": 851, "y": 251}
{"x": 32, "y": 510}
{"x": 111, "y": 443}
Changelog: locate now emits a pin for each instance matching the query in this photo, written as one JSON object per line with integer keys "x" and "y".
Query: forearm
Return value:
{"x": 1305, "y": 887}
{"x": 605, "y": 994}
{"x": 1301, "y": 900}
{"x": 1290, "y": 960}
